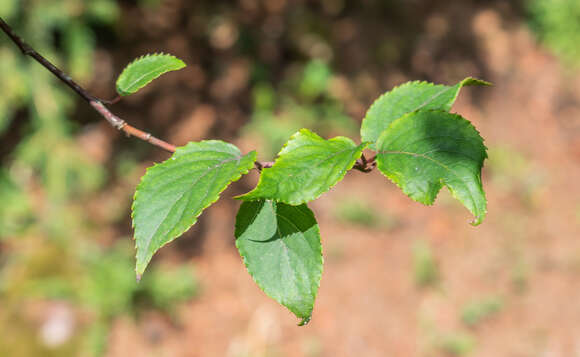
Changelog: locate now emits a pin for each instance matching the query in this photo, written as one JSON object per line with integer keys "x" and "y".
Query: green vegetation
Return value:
{"x": 28, "y": 86}
{"x": 99, "y": 282}
{"x": 557, "y": 24}
{"x": 418, "y": 145}
{"x": 421, "y": 148}
{"x": 145, "y": 69}
{"x": 266, "y": 231}
{"x": 514, "y": 173}
{"x": 174, "y": 193}
{"x": 419, "y": 152}
{"x": 48, "y": 231}
{"x": 313, "y": 166}
{"x": 300, "y": 101}
{"x": 456, "y": 343}
{"x": 445, "y": 342}
{"x": 357, "y": 211}
{"x": 425, "y": 270}
{"x": 110, "y": 291}
{"x": 477, "y": 311}
{"x": 408, "y": 98}
{"x": 520, "y": 274}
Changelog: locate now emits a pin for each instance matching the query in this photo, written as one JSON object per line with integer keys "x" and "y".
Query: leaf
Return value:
{"x": 407, "y": 98}
{"x": 144, "y": 69}
{"x": 425, "y": 150}
{"x": 306, "y": 167}
{"x": 280, "y": 246}
{"x": 173, "y": 194}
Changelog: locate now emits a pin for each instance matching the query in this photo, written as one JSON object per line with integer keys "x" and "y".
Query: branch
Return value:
{"x": 97, "y": 104}
{"x": 263, "y": 165}
{"x": 365, "y": 165}
{"x": 116, "y": 122}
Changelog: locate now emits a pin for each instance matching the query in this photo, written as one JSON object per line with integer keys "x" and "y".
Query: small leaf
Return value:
{"x": 144, "y": 69}
{"x": 425, "y": 150}
{"x": 173, "y": 194}
{"x": 306, "y": 167}
{"x": 407, "y": 98}
{"x": 280, "y": 246}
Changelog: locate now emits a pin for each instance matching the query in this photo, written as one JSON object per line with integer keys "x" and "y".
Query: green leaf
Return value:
{"x": 425, "y": 150}
{"x": 144, "y": 69}
{"x": 280, "y": 246}
{"x": 173, "y": 194}
{"x": 306, "y": 167}
{"x": 407, "y": 98}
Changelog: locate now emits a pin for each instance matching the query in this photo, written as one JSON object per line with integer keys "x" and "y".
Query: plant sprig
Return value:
{"x": 418, "y": 145}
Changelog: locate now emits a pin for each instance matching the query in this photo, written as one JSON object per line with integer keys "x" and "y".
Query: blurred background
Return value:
{"x": 400, "y": 279}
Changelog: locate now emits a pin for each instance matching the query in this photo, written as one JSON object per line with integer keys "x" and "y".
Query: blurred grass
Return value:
{"x": 479, "y": 310}
{"x": 456, "y": 343}
{"x": 49, "y": 236}
{"x": 358, "y": 212}
{"x": 99, "y": 282}
{"x": 513, "y": 173}
{"x": 425, "y": 269}
{"x": 303, "y": 99}
{"x": 557, "y": 25}
{"x": 444, "y": 342}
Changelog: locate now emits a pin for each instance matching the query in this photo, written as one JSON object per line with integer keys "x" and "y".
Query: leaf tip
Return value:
{"x": 470, "y": 81}
{"x": 477, "y": 221}
{"x": 305, "y": 320}
{"x": 140, "y": 268}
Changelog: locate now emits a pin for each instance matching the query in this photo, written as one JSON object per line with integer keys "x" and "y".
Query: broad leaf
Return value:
{"x": 406, "y": 98}
{"x": 173, "y": 194}
{"x": 280, "y": 246}
{"x": 144, "y": 69}
{"x": 306, "y": 167}
{"x": 425, "y": 150}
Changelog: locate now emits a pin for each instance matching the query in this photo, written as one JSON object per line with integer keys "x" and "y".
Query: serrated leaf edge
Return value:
{"x": 478, "y": 219}
{"x": 140, "y": 58}
{"x": 360, "y": 148}
{"x": 467, "y": 81}
{"x": 156, "y": 166}
{"x": 304, "y": 319}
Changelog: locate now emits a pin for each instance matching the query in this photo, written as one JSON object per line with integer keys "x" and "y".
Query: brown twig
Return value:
{"x": 263, "y": 165}
{"x": 365, "y": 165}
{"x": 120, "y": 124}
{"x": 115, "y": 100}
